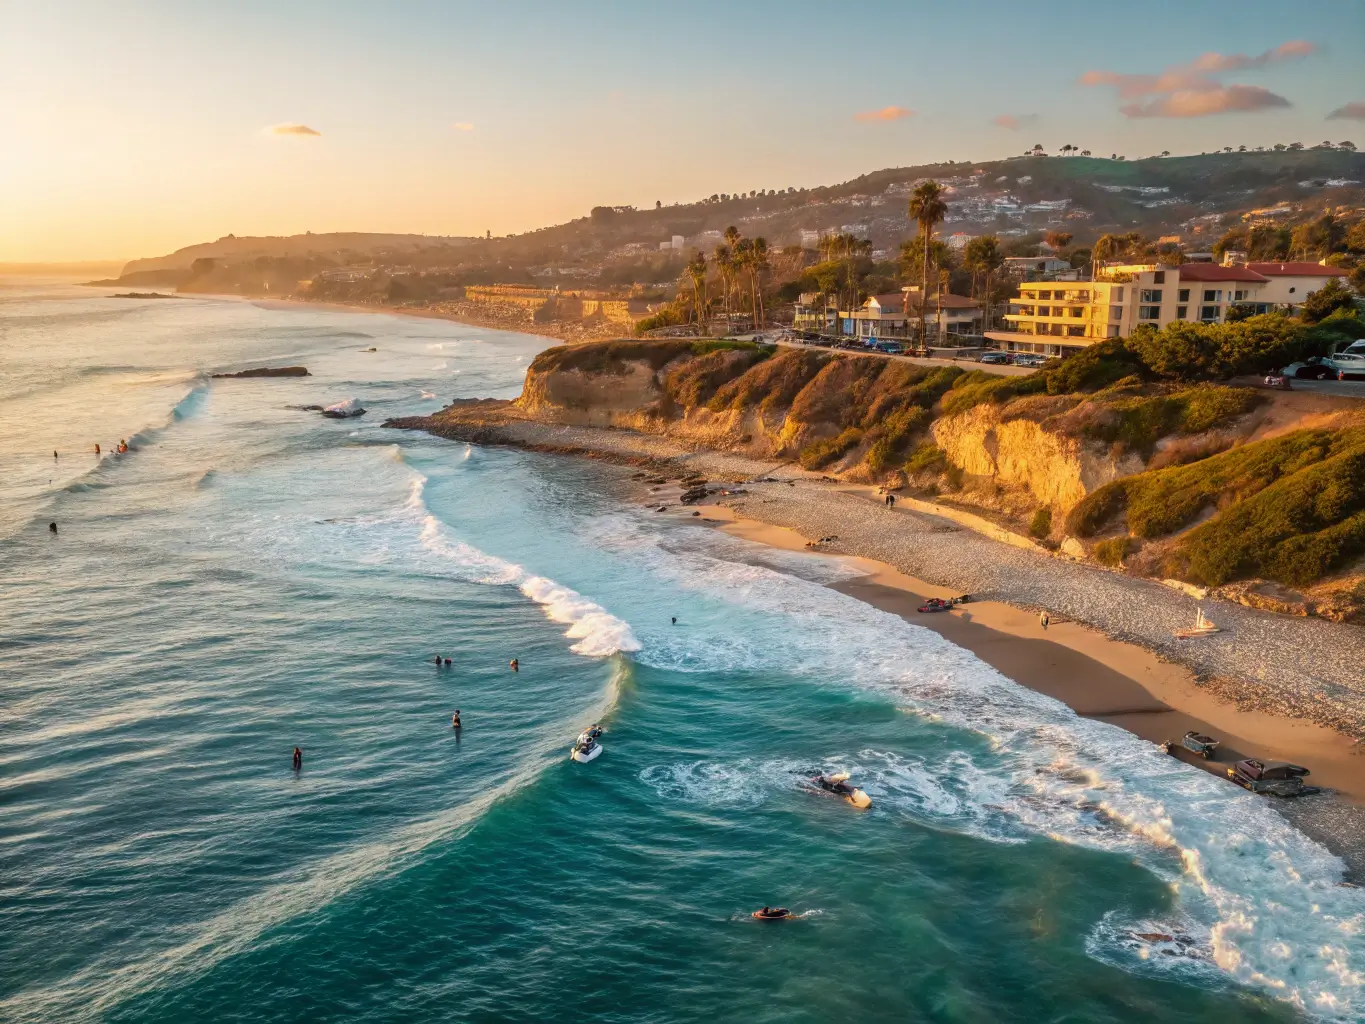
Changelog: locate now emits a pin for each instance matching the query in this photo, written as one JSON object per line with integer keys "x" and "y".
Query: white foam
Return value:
{"x": 1265, "y": 895}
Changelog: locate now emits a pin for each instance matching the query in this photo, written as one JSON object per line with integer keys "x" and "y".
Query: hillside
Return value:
{"x": 1193, "y": 197}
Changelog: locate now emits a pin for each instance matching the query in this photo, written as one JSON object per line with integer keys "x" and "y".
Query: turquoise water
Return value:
{"x": 253, "y": 577}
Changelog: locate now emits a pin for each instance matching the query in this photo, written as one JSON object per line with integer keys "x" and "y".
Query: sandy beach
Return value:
{"x": 1097, "y": 676}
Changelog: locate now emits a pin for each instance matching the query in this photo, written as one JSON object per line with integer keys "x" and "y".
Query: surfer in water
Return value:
{"x": 298, "y": 758}
{"x": 437, "y": 661}
{"x": 674, "y": 620}
{"x": 515, "y": 665}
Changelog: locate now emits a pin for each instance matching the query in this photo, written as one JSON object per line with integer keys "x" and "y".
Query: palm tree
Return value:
{"x": 759, "y": 266}
{"x": 725, "y": 261}
{"x": 1067, "y": 149}
{"x": 927, "y": 209}
{"x": 696, "y": 270}
{"x": 983, "y": 257}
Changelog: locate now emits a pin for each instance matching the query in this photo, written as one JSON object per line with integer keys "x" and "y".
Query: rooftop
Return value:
{"x": 1296, "y": 270}
{"x": 1213, "y": 272}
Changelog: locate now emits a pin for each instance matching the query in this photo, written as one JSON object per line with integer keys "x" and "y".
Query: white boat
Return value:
{"x": 1202, "y": 627}
{"x": 586, "y": 748}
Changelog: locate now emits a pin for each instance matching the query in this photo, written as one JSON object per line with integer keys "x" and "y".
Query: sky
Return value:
{"x": 134, "y": 128}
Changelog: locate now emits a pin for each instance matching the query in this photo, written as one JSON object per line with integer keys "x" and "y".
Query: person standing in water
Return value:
{"x": 97, "y": 448}
{"x": 514, "y": 665}
{"x": 455, "y": 719}
{"x": 51, "y": 527}
{"x": 298, "y": 758}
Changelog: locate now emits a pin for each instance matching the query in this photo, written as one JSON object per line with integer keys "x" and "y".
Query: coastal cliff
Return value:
{"x": 1069, "y": 460}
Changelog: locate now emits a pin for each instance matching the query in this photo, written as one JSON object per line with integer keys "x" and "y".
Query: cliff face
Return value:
{"x": 1058, "y": 470}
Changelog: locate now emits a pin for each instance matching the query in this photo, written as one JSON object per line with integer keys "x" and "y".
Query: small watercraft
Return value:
{"x": 1199, "y": 744}
{"x": 937, "y": 604}
{"x": 840, "y": 786}
{"x": 773, "y": 914}
{"x": 1202, "y": 627}
{"x": 586, "y": 748}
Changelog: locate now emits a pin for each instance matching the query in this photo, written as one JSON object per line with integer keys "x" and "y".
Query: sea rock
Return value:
{"x": 268, "y": 371}
{"x": 694, "y": 495}
{"x": 344, "y": 410}
{"x": 1269, "y": 597}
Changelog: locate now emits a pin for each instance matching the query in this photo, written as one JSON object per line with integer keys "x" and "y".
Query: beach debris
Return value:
{"x": 1202, "y": 627}
{"x": 693, "y": 495}
{"x": 351, "y": 407}
{"x": 1272, "y": 778}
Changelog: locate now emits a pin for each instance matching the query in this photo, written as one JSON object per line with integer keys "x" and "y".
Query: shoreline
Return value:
{"x": 1096, "y": 675}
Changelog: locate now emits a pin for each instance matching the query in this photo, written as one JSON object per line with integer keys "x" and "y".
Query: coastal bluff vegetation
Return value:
{"x": 1176, "y": 473}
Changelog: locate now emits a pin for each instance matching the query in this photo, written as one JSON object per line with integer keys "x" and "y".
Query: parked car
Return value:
{"x": 1310, "y": 370}
{"x": 993, "y": 357}
{"x": 894, "y": 348}
{"x": 1029, "y": 359}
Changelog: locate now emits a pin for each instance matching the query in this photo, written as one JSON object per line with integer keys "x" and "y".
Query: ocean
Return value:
{"x": 251, "y": 577}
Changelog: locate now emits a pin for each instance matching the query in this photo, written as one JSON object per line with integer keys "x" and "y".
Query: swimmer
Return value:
{"x": 455, "y": 719}
{"x": 514, "y": 665}
{"x": 437, "y": 660}
{"x": 298, "y": 758}
{"x": 447, "y": 663}
{"x": 97, "y": 449}
{"x": 54, "y": 453}
{"x": 51, "y": 527}
{"x": 675, "y": 620}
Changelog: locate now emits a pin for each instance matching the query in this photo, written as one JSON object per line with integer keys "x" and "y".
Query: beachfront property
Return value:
{"x": 1055, "y": 318}
{"x": 896, "y": 315}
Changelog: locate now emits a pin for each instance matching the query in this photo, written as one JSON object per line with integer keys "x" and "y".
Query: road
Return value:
{"x": 1002, "y": 369}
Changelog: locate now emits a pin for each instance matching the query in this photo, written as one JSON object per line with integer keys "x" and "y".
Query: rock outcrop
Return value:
{"x": 267, "y": 371}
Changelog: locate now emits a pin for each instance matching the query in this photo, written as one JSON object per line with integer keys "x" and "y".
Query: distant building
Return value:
{"x": 958, "y": 240}
{"x": 677, "y": 241}
{"x": 809, "y": 239}
{"x": 1035, "y": 268}
{"x": 896, "y": 315}
{"x": 1291, "y": 283}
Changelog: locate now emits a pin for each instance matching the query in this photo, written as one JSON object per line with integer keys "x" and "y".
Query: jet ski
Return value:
{"x": 840, "y": 786}
{"x": 586, "y": 748}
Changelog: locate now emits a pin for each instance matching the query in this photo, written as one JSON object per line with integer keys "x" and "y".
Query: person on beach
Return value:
{"x": 514, "y": 665}
{"x": 891, "y": 500}
{"x": 298, "y": 758}
{"x": 1043, "y": 619}
{"x": 54, "y": 454}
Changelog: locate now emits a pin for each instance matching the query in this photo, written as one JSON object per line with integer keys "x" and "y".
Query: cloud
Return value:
{"x": 1193, "y": 89}
{"x": 885, "y": 114}
{"x": 462, "y": 126}
{"x": 291, "y": 129}
{"x": 1349, "y": 112}
{"x": 1204, "y": 102}
{"x": 1014, "y": 122}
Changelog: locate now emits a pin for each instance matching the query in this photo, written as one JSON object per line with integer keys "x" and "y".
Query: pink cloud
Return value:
{"x": 1348, "y": 112}
{"x": 1204, "y": 102}
{"x": 1014, "y": 122}
{"x": 1193, "y": 90}
{"x": 892, "y": 113}
{"x": 292, "y": 129}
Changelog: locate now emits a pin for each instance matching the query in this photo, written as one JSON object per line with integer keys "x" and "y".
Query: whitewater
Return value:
{"x": 253, "y": 577}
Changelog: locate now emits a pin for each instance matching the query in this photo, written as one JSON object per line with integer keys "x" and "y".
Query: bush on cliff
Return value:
{"x": 772, "y": 384}
{"x": 1290, "y": 509}
{"x": 1184, "y": 350}
{"x": 1138, "y": 422}
{"x": 696, "y": 381}
{"x": 614, "y": 357}
{"x": 822, "y": 453}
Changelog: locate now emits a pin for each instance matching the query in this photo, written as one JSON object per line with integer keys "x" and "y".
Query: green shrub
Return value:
{"x": 927, "y": 458}
{"x": 1095, "y": 367}
{"x": 1184, "y": 350}
{"x": 897, "y": 431}
{"x": 822, "y": 453}
{"x": 771, "y": 384}
{"x": 1112, "y": 551}
{"x": 1098, "y": 508}
{"x": 979, "y": 388}
{"x": 696, "y": 381}
{"x": 1041, "y": 524}
{"x": 1138, "y": 422}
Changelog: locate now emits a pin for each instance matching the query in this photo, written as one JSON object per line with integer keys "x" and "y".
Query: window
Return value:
{"x": 1115, "y": 312}
{"x": 1083, "y": 296}
{"x": 1182, "y": 312}
{"x": 1044, "y": 295}
{"x": 1184, "y": 295}
{"x": 1076, "y": 311}
{"x": 1292, "y": 290}
{"x": 1117, "y": 295}
{"x": 1159, "y": 277}
{"x": 1151, "y": 295}
{"x": 1056, "y": 328}
{"x": 1113, "y": 330}
{"x": 1213, "y": 296}
{"x": 1075, "y": 331}
{"x": 1238, "y": 296}
{"x": 1208, "y": 313}
{"x": 1149, "y": 312}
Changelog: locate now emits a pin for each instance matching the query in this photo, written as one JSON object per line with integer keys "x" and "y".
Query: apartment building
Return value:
{"x": 1057, "y": 318}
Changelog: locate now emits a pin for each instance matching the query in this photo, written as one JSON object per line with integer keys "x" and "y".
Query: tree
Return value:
{"x": 758, "y": 265}
{"x": 1066, "y": 149}
{"x": 1057, "y": 240}
{"x": 927, "y": 209}
{"x": 1165, "y": 152}
{"x": 1279, "y": 147}
{"x": 1085, "y": 152}
{"x": 1106, "y": 247}
{"x": 696, "y": 270}
{"x": 1294, "y": 147}
{"x": 1349, "y": 146}
{"x": 725, "y": 264}
{"x": 1327, "y": 300}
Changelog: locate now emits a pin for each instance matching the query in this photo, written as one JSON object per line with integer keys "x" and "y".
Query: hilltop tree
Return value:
{"x": 927, "y": 208}
{"x": 1349, "y": 146}
{"x": 1057, "y": 240}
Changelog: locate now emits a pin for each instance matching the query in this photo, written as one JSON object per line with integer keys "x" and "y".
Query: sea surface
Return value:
{"x": 251, "y": 576}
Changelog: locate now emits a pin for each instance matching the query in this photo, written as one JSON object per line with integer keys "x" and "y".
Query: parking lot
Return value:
{"x": 966, "y": 361}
